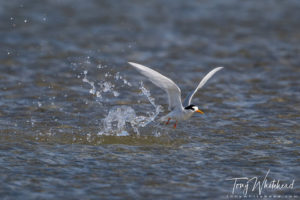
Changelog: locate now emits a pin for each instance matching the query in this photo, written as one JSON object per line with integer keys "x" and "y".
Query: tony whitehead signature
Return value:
{"x": 244, "y": 184}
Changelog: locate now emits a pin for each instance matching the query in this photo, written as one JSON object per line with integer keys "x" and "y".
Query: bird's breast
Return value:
{"x": 180, "y": 115}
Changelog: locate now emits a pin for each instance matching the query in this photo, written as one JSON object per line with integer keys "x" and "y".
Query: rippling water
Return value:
{"x": 77, "y": 122}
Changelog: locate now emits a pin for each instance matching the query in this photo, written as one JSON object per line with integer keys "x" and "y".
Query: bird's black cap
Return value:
{"x": 190, "y": 107}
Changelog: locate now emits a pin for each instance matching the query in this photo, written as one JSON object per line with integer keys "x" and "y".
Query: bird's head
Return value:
{"x": 193, "y": 108}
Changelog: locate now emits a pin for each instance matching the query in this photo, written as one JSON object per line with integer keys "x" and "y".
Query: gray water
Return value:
{"x": 77, "y": 122}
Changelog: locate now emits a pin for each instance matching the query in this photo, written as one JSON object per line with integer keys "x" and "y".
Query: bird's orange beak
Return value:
{"x": 200, "y": 111}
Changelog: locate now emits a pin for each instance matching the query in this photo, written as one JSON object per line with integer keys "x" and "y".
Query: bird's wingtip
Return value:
{"x": 219, "y": 68}
{"x": 136, "y": 65}
{"x": 132, "y": 63}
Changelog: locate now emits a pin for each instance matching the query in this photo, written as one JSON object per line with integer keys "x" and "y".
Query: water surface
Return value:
{"x": 77, "y": 122}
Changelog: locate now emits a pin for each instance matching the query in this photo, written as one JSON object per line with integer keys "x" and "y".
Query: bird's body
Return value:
{"x": 178, "y": 115}
{"x": 178, "y": 112}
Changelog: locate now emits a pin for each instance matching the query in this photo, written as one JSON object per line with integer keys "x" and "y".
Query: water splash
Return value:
{"x": 108, "y": 87}
{"x": 104, "y": 86}
{"x": 115, "y": 123}
{"x": 158, "y": 108}
{"x": 92, "y": 84}
{"x": 120, "y": 119}
{"x": 119, "y": 77}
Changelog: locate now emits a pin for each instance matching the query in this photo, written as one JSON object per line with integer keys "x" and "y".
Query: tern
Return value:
{"x": 178, "y": 112}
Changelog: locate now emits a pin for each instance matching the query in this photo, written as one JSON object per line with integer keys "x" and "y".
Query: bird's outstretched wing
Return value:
{"x": 173, "y": 91}
{"x": 188, "y": 99}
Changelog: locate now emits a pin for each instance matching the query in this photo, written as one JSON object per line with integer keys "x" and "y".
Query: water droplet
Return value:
{"x": 157, "y": 134}
{"x": 117, "y": 76}
{"x": 89, "y": 137}
{"x": 116, "y": 94}
{"x": 87, "y": 61}
{"x": 98, "y": 94}
{"x": 107, "y": 86}
{"x": 92, "y": 84}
